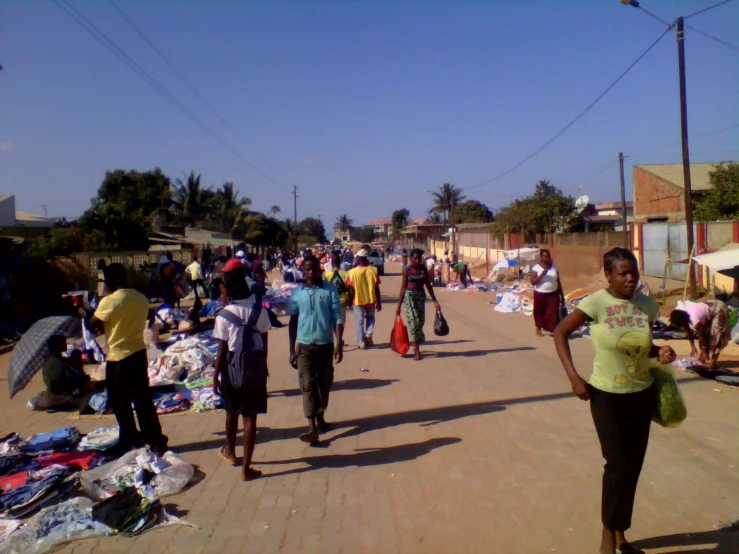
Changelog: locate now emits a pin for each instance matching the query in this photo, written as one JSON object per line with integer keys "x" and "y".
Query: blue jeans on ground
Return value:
{"x": 362, "y": 313}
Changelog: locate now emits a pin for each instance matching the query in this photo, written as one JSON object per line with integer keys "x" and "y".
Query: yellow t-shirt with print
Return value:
{"x": 622, "y": 336}
{"x": 364, "y": 280}
{"x": 123, "y": 314}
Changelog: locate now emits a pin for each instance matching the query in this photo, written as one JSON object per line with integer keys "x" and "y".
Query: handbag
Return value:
{"x": 441, "y": 327}
{"x": 399, "y": 341}
{"x": 563, "y": 312}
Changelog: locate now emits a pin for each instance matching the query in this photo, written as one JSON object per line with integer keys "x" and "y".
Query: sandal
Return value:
{"x": 251, "y": 474}
{"x": 310, "y": 438}
{"x": 222, "y": 454}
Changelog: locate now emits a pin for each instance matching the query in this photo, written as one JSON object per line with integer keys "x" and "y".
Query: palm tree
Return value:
{"x": 448, "y": 196}
{"x": 273, "y": 211}
{"x": 189, "y": 199}
{"x": 343, "y": 222}
{"x": 227, "y": 207}
{"x": 433, "y": 217}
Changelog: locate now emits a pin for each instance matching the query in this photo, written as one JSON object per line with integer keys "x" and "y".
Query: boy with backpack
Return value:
{"x": 338, "y": 278}
{"x": 241, "y": 375}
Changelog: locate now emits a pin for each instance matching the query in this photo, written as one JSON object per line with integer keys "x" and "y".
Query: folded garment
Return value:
{"x": 100, "y": 439}
{"x": 116, "y": 511}
{"x": 77, "y": 460}
{"x": 60, "y": 439}
{"x": 15, "y": 462}
{"x": 35, "y": 494}
{"x": 99, "y": 402}
{"x": 9, "y": 443}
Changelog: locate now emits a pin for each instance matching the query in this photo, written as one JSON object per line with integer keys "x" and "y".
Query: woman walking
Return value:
{"x": 711, "y": 321}
{"x": 621, "y": 391}
{"x": 548, "y": 293}
{"x": 416, "y": 278}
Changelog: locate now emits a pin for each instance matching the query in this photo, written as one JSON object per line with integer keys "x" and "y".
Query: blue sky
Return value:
{"x": 364, "y": 105}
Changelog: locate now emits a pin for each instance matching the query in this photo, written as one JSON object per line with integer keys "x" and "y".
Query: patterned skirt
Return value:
{"x": 415, "y": 312}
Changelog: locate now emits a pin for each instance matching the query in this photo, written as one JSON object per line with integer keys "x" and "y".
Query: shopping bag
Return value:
{"x": 399, "y": 338}
{"x": 670, "y": 410}
{"x": 441, "y": 327}
{"x": 563, "y": 312}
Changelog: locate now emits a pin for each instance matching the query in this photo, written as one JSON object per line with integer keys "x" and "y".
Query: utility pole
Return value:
{"x": 686, "y": 156}
{"x": 295, "y": 214}
{"x": 623, "y": 202}
{"x": 454, "y": 229}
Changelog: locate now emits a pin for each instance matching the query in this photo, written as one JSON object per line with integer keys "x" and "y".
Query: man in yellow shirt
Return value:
{"x": 364, "y": 290}
{"x": 122, "y": 314}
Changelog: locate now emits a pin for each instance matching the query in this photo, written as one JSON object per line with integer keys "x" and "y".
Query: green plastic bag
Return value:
{"x": 671, "y": 410}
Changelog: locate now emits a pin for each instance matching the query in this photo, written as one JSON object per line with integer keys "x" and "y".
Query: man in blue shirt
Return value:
{"x": 316, "y": 320}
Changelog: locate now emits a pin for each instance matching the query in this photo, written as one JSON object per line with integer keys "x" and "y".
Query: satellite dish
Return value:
{"x": 581, "y": 203}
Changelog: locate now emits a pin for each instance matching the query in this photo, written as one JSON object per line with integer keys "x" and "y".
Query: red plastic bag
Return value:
{"x": 399, "y": 338}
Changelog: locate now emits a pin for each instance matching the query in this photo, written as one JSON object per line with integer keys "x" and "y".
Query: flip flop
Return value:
{"x": 222, "y": 454}
{"x": 252, "y": 474}
{"x": 310, "y": 438}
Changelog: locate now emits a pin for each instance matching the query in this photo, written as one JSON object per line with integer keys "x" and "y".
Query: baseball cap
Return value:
{"x": 240, "y": 254}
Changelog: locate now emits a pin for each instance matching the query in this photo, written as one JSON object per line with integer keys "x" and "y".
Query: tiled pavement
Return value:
{"x": 479, "y": 448}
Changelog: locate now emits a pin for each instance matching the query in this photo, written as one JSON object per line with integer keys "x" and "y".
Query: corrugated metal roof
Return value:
{"x": 699, "y": 179}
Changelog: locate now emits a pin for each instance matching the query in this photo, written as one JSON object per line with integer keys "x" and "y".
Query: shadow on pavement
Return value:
{"x": 475, "y": 353}
{"x": 425, "y": 417}
{"x": 720, "y": 541}
{"x": 365, "y": 457}
{"x": 352, "y": 384}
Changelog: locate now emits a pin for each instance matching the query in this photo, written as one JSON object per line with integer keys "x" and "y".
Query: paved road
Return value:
{"x": 478, "y": 448}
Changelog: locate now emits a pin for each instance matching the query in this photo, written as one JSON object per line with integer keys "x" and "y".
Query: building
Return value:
{"x": 341, "y": 235}
{"x": 381, "y": 226}
{"x": 607, "y": 216}
{"x": 659, "y": 190}
{"x": 22, "y": 224}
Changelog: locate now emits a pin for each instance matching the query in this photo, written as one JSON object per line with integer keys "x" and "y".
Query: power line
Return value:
{"x": 187, "y": 83}
{"x": 650, "y": 14}
{"x": 111, "y": 46}
{"x": 692, "y": 138}
{"x": 719, "y": 40}
{"x": 704, "y": 10}
{"x": 576, "y": 119}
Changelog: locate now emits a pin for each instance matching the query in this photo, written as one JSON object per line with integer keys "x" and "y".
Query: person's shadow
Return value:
{"x": 350, "y": 384}
{"x": 720, "y": 541}
{"x": 365, "y": 457}
{"x": 476, "y": 353}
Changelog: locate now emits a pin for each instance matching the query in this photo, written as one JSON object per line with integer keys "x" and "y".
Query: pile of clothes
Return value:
{"x": 278, "y": 296}
{"x": 693, "y": 365}
{"x": 40, "y": 474}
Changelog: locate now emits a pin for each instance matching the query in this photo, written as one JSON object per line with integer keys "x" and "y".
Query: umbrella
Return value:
{"x": 31, "y": 352}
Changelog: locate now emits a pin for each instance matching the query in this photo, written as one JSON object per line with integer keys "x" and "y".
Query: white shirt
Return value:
{"x": 229, "y": 326}
{"x": 549, "y": 281}
{"x": 195, "y": 270}
{"x": 430, "y": 263}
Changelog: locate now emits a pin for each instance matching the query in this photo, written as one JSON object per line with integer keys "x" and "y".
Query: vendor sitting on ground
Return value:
{"x": 710, "y": 319}
{"x": 66, "y": 383}
{"x": 191, "y": 324}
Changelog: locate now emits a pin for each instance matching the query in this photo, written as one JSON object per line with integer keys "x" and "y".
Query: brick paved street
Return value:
{"x": 480, "y": 448}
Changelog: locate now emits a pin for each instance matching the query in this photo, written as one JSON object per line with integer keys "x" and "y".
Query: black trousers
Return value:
{"x": 316, "y": 375}
{"x": 128, "y": 382}
{"x": 623, "y": 422}
{"x": 195, "y": 284}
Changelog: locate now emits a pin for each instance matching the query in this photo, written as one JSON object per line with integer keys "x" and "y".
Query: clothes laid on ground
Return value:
{"x": 119, "y": 509}
{"x": 621, "y": 330}
{"x": 26, "y": 499}
{"x": 14, "y": 462}
{"x": 9, "y": 443}
{"x": 58, "y": 440}
{"x": 99, "y": 402}
{"x": 123, "y": 314}
{"x": 100, "y": 439}
{"x": 76, "y": 460}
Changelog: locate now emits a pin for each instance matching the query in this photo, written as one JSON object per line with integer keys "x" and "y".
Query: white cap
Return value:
{"x": 240, "y": 254}
{"x": 363, "y": 254}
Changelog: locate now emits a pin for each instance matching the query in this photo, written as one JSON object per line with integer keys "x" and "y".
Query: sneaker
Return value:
{"x": 368, "y": 341}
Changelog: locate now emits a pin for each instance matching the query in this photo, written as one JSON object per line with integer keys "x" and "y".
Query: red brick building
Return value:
{"x": 659, "y": 190}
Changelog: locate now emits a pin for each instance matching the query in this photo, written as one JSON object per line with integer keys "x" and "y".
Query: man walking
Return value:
{"x": 196, "y": 278}
{"x": 315, "y": 322}
{"x": 364, "y": 288}
{"x": 122, "y": 314}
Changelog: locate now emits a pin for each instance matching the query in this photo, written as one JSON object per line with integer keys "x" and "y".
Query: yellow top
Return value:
{"x": 124, "y": 315}
{"x": 364, "y": 280}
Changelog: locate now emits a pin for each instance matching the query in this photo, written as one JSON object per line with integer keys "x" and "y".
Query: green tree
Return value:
{"x": 722, "y": 202}
{"x": 273, "y": 211}
{"x": 448, "y": 196}
{"x": 312, "y": 227}
{"x": 434, "y": 218}
{"x": 545, "y": 211}
{"x": 61, "y": 241}
{"x": 362, "y": 234}
{"x": 344, "y": 222}
{"x": 259, "y": 230}
{"x": 110, "y": 227}
{"x": 399, "y": 221}
{"x": 146, "y": 194}
{"x": 190, "y": 199}
{"x": 225, "y": 208}
{"x": 472, "y": 211}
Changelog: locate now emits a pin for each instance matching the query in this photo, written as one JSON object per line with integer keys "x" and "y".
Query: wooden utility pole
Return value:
{"x": 686, "y": 153}
{"x": 454, "y": 230}
{"x": 623, "y": 202}
{"x": 295, "y": 214}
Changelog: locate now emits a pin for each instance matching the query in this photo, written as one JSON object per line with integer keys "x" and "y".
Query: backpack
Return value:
{"x": 250, "y": 366}
{"x": 339, "y": 283}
